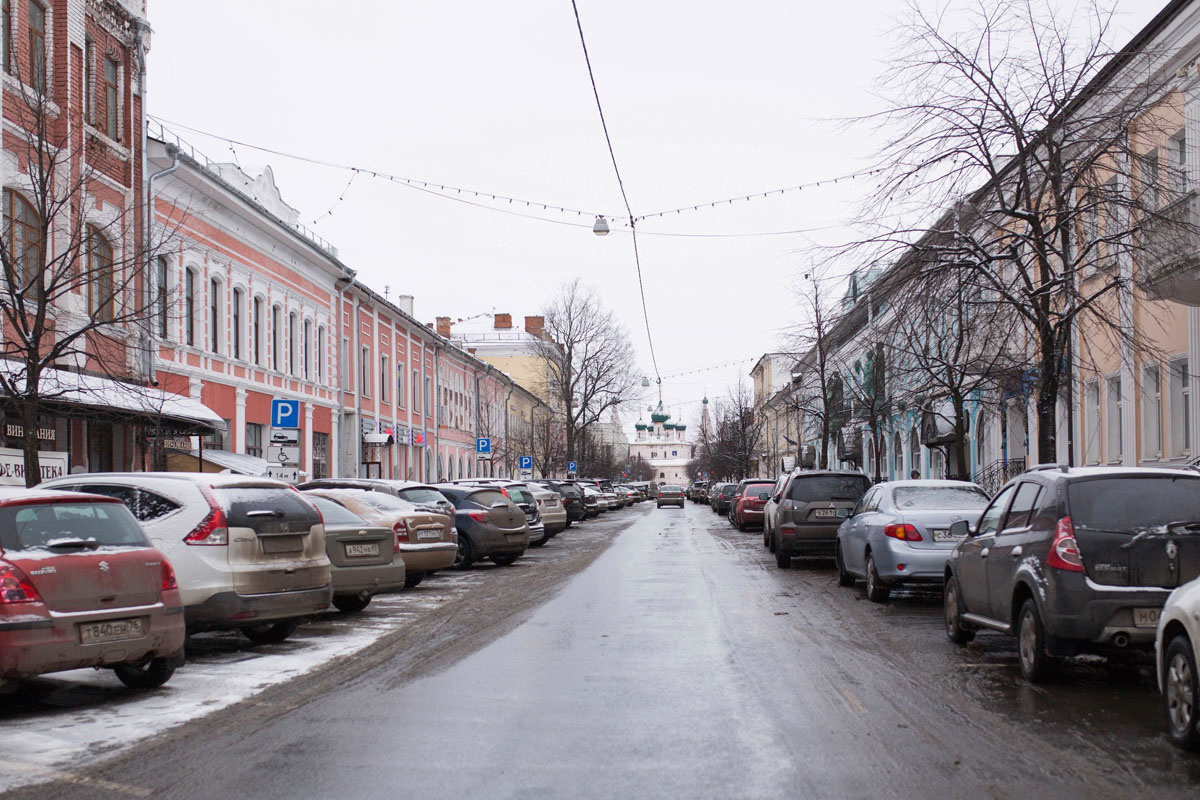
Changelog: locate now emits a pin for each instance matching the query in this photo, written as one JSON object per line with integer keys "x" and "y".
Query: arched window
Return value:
{"x": 214, "y": 314}
{"x": 162, "y": 277}
{"x": 914, "y": 452}
{"x": 291, "y": 335}
{"x": 236, "y": 312}
{"x": 23, "y": 232}
{"x": 258, "y": 331}
{"x": 189, "y": 307}
{"x": 897, "y": 457}
{"x": 276, "y": 335}
{"x": 460, "y": 467}
{"x": 320, "y": 354}
{"x": 307, "y": 349}
{"x": 100, "y": 275}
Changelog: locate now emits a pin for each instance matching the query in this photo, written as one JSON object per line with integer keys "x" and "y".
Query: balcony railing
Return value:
{"x": 1168, "y": 254}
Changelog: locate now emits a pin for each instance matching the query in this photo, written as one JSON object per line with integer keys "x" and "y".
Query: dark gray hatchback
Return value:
{"x": 1074, "y": 560}
{"x": 812, "y": 505}
{"x": 489, "y": 525}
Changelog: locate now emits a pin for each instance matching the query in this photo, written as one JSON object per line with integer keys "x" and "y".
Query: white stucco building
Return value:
{"x": 664, "y": 446}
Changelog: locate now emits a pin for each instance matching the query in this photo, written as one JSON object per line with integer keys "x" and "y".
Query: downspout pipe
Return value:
{"x": 344, "y": 284}
{"x": 435, "y": 398}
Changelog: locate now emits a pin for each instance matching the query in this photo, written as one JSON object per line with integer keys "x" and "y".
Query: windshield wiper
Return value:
{"x": 81, "y": 544}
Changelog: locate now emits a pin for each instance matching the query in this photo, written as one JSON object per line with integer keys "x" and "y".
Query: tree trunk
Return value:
{"x": 1047, "y": 417}
{"x": 29, "y": 421}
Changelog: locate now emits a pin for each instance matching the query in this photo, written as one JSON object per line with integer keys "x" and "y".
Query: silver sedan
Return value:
{"x": 900, "y": 533}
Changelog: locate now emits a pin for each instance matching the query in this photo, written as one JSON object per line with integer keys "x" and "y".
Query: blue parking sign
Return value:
{"x": 572, "y": 466}
{"x": 483, "y": 445}
{"x": 526, "y": 462}
{"x": 285, "y": 413}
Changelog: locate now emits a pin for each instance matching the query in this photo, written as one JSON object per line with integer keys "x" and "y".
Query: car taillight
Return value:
{"x": 1064, "y": 550}
{"x": 659, "y": 496}
{"x": 213, "y": 529}
{"x": 905, "y": 533}
{"x": 396, "y": 544}
{"x": 168, "y": 576}
{"x": 14, "y": 586}
{"x": 479, "y": 515}
{"x": 787, "y": 530}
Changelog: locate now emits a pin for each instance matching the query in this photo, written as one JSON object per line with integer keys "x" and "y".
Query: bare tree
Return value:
{"x": 818, "y": 397}
{"x": 73, "y": 293}
{"x": 735, "y": 441}
{"x": 589, "y": 360}
{"x": 1017, "y": 126}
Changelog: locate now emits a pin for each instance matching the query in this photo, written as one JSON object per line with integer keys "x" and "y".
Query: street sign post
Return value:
{"x": 285, "y": 436}
{"x": 285, "y": 474}
{"x": 572, "y": 468}
{"x": 278, "y": 454}
{"x": 526, "y": 462}
{"x": 483, "y": 448}
{"x": 285, "y": 413}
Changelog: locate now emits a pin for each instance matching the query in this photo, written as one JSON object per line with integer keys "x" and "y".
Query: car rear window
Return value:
{"x": 828, "y": 487}
{"x": 422, "y": 494}
{"x": 247, "y": 507}
{"x": 950, "y": 498}
{"x": 485, "y": 499}
{"x": 1134, "y": 503}
{"x": 334, "y": 512}
{"x": 43, "y": 525}
{"x": 519, "y": 495}
{"x": 384, "y": 502}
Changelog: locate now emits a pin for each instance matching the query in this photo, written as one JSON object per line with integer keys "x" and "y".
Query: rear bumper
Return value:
{"x": 921, "y": 565}
{"x": 495, "y": 542}
{"x": 228, "y": 610}
{"x": 670, "y": 501}
{"x": 30, "y": 647}
{"x": 428, "y": 557}
{"x": 1098, "y": 619}
{"x": 372, "y": 579}
{"x": 751, "y": 517}
{"x": 792, "y": 545}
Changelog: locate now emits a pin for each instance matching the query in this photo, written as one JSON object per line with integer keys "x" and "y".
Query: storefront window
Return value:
{"x": 320, "y": 465}
{"x": 254, "y": 439}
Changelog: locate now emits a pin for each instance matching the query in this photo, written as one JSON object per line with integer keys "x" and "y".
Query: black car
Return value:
{"x": 489, "y": 525}
{"x": 811, "y": 506}
{"x": 1074, "y": 560}
{"x": 572, "y": 497}
{"x": 721, "y": 496}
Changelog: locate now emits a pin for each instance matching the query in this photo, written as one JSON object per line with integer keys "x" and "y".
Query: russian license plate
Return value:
{"x": 429, "y": 535}
{"x": 361, "y": 550}
{"x": 113, "y": 630}
{"x": 943, "y": 535}
{"x": 1146, "y": 617}
{"x": 825, "y": 512}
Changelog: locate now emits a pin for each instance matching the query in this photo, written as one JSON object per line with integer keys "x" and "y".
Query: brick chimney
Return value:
{"x": 503, "y": 321}
{"x": 443, "y": 326}
{"x": 535, "y": 325}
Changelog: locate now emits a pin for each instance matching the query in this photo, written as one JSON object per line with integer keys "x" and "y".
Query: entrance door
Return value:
{"x": 100, "y": 446}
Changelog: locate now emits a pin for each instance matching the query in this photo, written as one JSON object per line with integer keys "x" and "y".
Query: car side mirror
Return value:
{"x": 960, "y": 529}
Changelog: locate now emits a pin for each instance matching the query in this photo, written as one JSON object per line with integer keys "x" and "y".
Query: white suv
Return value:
{"x": 1178, "y": 653}
{"x": 249, "y": 553}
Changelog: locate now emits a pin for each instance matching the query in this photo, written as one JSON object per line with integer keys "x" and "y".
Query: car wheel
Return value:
{"x": 545, "y": 538}
{"x": 505, "y": 561}
{"x": 844, "y": 577}
{"x": 955, "y": 630}
{"x": 1181, "y": 693}
{"x": 1031, "y": 643}
{"x": 270, "y": 632}
{"x": 351, "y": 603}
{"x": 876, "y": 591}
{"x": 151, "y": 675}
{"x": 413, "y": 579}
{"x": 465, "y": 556}
{"x": 782, "y": 560}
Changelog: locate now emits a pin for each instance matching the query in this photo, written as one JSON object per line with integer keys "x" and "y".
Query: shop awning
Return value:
{"x": 937, "y": 423}
{"x": 62, "y": 388}
{"x": 237, "y": 463}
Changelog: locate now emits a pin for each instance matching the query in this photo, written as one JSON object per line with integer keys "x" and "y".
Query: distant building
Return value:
{"x": 664, "y": 446}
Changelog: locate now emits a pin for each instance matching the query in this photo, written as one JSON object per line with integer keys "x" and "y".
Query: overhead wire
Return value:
{"x": 621, "y": 184}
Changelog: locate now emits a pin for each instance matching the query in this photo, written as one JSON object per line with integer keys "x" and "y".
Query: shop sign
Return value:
{"x": 182, "y": 444}
{"x": 402, "y": 434}
{"x": 12, "y": 465}
{"x": 418, "y": 438}
{"x": 368, "y": 425}
{"x": 14, "y": 431}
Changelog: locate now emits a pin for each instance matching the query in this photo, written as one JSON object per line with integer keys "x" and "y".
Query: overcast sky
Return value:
{"x": 704, "y": 101}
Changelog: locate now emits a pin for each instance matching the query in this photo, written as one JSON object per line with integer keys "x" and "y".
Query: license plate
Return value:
{"x": 1146, "y": 617}
{"x": 361, "y": 550}
{"x": 113, "y": 630}
{"x": 429, "y": 535}
{"x": 944, "y": 536}
{"x": 825, "y": 512}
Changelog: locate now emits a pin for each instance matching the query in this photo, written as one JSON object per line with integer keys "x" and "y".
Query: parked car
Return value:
{"x": 746, "y": 507}
{"x": 365, "y": 558}
{"x": 1073, "y": 560}
{"x": 419, "y": 494}
{"x": 571, "y": 497}
{"x": 425, "y": 539}
{"x": 489, "y": 525}
{"x": 551, "y": 509}
{"x": 698, "y": 491}
{"x": 593, "y": 502}
{"x": 1177, "y": 651}
{"x": 771, "y": 507}
{"x": 249, "y": 552}
{"x": 900, "y": 533}
{"x": 82, "y": 586}
{"x": 811, "y": 507}
{"x": 722, "y": 496}
{"x": 522, "y": 495}
{"x": 669, "y": 495}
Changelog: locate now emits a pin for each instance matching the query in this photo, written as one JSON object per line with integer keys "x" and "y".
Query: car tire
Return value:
{"x": 782, "y": 560}
{"x": 413, "y": 579}
{"x": 956, "y": 631}
{"x": 505, "y": 561}
{"x": 151, "y": 675}
{"x": 1032, "y": 657}
{"x": 876, "y": 591}
{"x": 465, "y": 556}
{"x": 351, "y": 603}
{"x": 844, "y": 577}
{"x": 270, "y": 632}
{"x": 1181, "y": 693}
{"x": 545, "y": 538}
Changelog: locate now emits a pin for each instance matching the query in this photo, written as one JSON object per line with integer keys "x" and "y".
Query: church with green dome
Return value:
{"x": 664, "y": 445}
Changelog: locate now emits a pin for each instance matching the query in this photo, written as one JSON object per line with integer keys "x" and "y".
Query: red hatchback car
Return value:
{"x": 81, "y": 586}
{"x": 746, "y": 507}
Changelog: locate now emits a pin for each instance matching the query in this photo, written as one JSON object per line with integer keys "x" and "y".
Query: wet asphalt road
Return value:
{"x": 683, "y": 663}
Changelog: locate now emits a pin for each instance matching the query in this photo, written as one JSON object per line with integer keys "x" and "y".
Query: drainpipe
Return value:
{"x": 344, "y": 284}
{"x": 506, "y": 399}
{"x": 437, "y": 410}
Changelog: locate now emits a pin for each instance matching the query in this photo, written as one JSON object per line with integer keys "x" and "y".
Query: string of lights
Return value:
{"x": 465, "y": 196}
{"x": 621, "y": 184}
{"x": 711, "y": 367}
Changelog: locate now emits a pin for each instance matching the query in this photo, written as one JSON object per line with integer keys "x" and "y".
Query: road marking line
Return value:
{"x": 79, "y": 780}
{"x": 852, "y": 701}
